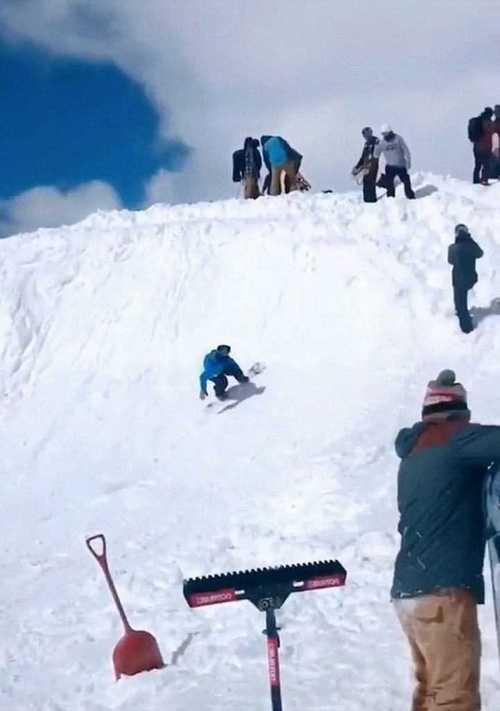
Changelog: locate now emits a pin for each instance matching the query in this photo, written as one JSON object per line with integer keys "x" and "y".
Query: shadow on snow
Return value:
{"x": 241, "y": 392}
{"x": 479, "y": 313}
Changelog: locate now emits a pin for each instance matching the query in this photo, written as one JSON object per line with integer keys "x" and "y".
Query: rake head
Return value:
{"x": 266, "y": 588}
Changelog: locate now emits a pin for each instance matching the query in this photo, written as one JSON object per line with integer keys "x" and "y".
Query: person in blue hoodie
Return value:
{"x": 217, "y": 365}
{"x": 280, "y": 157}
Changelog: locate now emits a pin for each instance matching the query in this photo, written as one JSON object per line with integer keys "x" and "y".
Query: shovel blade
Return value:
{"x": 136, "y": 652}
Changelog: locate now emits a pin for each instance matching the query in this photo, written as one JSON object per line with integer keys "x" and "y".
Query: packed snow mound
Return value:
{"x": 103, "y": 327}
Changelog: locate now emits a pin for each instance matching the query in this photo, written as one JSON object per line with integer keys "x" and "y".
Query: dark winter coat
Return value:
{"x": 367, "y": 152}
{"x": 247, "y": 161}
{"x": 462, "y": 255}
{"x": 440, "y": 483}
{"x": 480, "y": 130}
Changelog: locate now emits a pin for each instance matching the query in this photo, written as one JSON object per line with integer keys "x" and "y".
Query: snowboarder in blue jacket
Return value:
{"x": 216, "y": 366}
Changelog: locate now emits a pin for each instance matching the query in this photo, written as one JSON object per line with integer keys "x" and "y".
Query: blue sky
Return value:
{"x": 113, "y": 103}
{"x": 66, "y": 122}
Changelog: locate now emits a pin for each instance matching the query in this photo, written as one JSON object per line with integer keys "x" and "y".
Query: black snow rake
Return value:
{"x": 267, "y": 589}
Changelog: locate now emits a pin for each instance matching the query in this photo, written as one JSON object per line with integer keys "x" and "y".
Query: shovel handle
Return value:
{"x": 103, "y": 562}
{"x": 100, "y": 557}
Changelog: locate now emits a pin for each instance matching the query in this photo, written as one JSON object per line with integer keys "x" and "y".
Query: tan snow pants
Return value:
{"x": 251, "y": 188}
{"x": 290, "y": 170}
{"x": 445, "y": 643}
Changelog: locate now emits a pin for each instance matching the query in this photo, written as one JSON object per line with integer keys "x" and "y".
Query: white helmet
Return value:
{"x": 385, "y": 128}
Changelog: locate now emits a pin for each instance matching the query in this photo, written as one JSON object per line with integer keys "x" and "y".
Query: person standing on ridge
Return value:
{"x": 438, "y": 577}
{"x": 217, "y": 365}
{"x": 369, "y": 165}
{"x": 279, "y": 158}
{"x": 246, "y": 167}
{"x": 480, "y": 132}
{"x": 462, "y": 255}
{"x": 397, "y": 160}
{"x": 495, "y": 166}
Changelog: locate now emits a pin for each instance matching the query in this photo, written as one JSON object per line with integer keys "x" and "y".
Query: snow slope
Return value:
{"x": 103, "y": 326}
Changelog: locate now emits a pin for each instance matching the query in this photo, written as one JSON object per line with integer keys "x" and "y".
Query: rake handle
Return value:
{"x": 273, "y": 662}
{"x": 102, "y": 560}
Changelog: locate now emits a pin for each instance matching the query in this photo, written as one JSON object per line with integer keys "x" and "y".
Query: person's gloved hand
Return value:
{"x": 203, "y": 394}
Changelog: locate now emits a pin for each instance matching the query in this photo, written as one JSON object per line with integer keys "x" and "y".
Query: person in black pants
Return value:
{"x": 462, "y": 255}
{"x": 369, "y": 165}
{"x": 481, "y": 129}
{"x": 397, "y": 160}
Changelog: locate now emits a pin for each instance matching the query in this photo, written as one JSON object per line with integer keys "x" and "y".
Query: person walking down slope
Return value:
{"x": 368, "y": 165}
{"x": 462, "y": 255}
{"x": 480, "y": 132}
{"x": 246, "y": 167}
{"x": 217, "y": 365}
{"x": 438, "y": 575}
{"x": 279, "y": 158}
{"x": 397, "y": 160}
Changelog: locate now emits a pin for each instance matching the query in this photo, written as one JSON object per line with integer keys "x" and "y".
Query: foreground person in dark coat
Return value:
{"x": 438, "y": 578}
{"x": 462, "y": 255}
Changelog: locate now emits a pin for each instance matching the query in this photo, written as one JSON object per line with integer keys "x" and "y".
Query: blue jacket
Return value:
{"x": 277, "y": 151}
{"x": 215, "y": 364}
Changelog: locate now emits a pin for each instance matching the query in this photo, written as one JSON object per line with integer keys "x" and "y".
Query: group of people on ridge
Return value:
{"x": 484, "y": 134}
{"x": 282, "y": 163}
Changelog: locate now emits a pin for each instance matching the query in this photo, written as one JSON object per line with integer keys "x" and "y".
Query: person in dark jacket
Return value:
{"x": 462, "y": 255}
{"x": 280, "y": 158}
{"x": 368, "y": 165}
{"x": 481, "y": 129}
{"x": 246, "y": 167}
{"x": 217, "y": 365}
{"x": 438, "y": 575}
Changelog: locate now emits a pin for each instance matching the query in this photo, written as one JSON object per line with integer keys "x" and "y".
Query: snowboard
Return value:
{"x": 256, "y": 368}
{"x": 492, "y": 510}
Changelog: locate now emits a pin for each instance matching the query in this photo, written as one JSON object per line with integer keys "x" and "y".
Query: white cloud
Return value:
{"x": 315, "y": 72}
{"x": 50, "y": 207}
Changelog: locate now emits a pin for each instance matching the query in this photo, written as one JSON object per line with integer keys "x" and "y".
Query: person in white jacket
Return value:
{"x": 397, "y": 160}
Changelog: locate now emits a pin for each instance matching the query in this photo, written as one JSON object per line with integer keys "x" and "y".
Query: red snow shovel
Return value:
{"x": 137, "y": 651}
